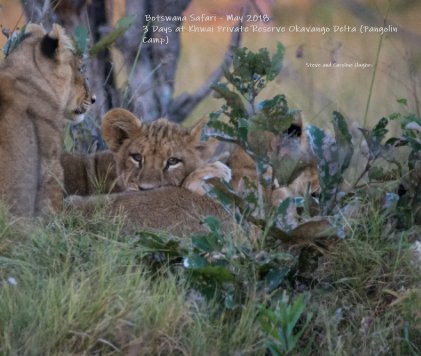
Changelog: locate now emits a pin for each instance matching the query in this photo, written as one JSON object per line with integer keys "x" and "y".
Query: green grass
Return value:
{"x": 367, "y": 290}
{"x": 84, "y": 286}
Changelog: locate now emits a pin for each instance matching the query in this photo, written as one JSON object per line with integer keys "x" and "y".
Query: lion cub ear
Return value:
{"x": 205, "y": 148}
{"x": 55, "y": 44}
{"x": 196, "y": 130}
{"x": 117, "y": 126}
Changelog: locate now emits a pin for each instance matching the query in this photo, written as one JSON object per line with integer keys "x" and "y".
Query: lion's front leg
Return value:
{"x": 50, "y": 194}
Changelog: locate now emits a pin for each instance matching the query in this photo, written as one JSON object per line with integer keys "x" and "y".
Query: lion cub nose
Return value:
{"x": 93, "y": 99}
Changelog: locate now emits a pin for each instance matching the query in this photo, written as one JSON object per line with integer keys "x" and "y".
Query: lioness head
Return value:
{"x": 153, "y": 154}
{"x": 50, "y": 60}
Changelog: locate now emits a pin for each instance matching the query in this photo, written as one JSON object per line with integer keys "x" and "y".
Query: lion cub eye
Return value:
{"x": 172, "y": 161}
{"x": 136, "y": 157}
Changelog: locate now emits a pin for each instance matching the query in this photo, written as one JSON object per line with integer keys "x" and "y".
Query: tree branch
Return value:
{"x": 183, "y": 105}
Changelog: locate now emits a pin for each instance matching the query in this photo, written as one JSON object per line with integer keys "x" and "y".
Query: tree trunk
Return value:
{"x": 152, "y": 66}
{"x": 151, "y": 83}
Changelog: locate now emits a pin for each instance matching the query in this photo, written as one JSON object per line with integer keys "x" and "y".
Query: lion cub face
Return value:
{"x": 153, "y": 154}
{"x": 80, "y": 97}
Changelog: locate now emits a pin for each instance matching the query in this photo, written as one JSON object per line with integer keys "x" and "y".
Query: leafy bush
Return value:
{"x": 384, "y": 198}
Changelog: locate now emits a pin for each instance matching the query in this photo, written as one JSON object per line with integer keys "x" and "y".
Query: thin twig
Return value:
{"x": 183, "y": 105}
{"x": 256, "y": 7}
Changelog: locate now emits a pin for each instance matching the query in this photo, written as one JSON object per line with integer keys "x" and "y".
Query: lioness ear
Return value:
{"x": 56, "y": 44}
{"x": 117, "y": 126}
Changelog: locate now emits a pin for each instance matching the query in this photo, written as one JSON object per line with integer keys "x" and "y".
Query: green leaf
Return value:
{"x": 273, "y": 115}
{"x": 275, "y": 277}
{"x": 81, "y": 39}
{"x": 286, "y": 168}
{"x": 213, "y": 223}
{"x": 68, "y": 142}
{"x": 379, "y": 131}
{"x": 195, "y": 262}
{"x": 395, "y": 116}
{"x": 284, "y": 213}
{"x": 219, "y": 274}
{"x": 325, "y": 150}
{"x": 411, "y": 131}
{"x": 343, "y": 140}
{"x": 381, "y": 175}
{"x": 223, "y": 130}
{"x": 121, "y": 27}
{"x": 277, "y": 60}
{"x": 402, "y": 101}
{"x": 280, "y": 326}
{"x": 375, "y": 137}
{"x": 13, "y": 41}
{"x": 229, "y": 302}
{"x": 157, "y": 243}
{"x": 234, "y": 102}
{"x": 207, "y": 243}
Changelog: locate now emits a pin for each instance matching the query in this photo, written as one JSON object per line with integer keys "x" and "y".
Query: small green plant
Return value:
{"x": 409, "y": 204}
{"x": 333, "y": 156}
{"x": 255, "y": 126}
{"x": 220, "y": 267}
{"x": 281, "y": 325}
{"x": 247, "y": 120}
{"x": 81, "y": 36}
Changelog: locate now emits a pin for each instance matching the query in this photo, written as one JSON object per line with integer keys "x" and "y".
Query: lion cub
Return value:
{"x": 158, "y": 153}
{"x": 143, "y": 156}
{"x": 41, "y": 86}
{"x": 157, "y": 167}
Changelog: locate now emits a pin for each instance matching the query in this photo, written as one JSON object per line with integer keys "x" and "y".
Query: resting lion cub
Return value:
{"x": 174, "y": 210}
{"x": 158, "y": 168}
{"x": 142, "y": 156}
{"x": 40, "y": 87}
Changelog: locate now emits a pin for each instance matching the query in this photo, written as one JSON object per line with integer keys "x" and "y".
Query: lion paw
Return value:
{"x": 197, "y": 180}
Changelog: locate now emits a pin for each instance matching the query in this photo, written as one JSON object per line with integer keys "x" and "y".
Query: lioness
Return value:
{"x": 41, "y": 85}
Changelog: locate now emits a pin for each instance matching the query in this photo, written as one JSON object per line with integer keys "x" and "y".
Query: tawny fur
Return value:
{"x": 115, "y": 170}
{"x": 158, "y": 153}
{"x": 90, "y": 174}
{"x": 40, "y": 87}
{"x": 174, "y": 210}
{"x": 305, "y": 178}
{"x": 154, "y": 194}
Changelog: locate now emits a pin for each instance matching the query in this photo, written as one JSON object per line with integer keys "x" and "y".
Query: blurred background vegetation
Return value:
{"x": 316, "y": 91}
